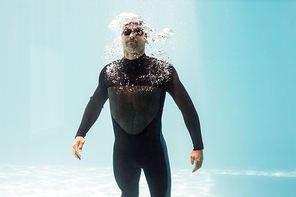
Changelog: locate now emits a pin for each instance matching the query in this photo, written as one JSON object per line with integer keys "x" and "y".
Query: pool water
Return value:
{"x": 66, "y": 181}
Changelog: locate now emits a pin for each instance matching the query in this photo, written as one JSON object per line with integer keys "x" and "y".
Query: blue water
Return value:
{"x": 65, "y": 181}
{"x": 235, "y": 58}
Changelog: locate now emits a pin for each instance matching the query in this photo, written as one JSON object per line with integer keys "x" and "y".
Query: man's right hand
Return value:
{"x": 77, "y": 146}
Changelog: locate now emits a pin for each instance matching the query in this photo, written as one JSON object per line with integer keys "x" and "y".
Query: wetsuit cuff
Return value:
{"x": 80, "y": 133}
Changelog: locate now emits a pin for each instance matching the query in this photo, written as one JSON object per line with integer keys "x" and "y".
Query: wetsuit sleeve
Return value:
{"x": 176, "y": 89}
{"x": 94, "y": 106}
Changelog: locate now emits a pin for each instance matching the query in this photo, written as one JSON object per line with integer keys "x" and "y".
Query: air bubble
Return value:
{"x": 157, "y": 41}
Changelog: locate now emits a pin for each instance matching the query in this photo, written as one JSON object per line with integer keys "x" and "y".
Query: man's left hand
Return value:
{"x": 197, "y": 158}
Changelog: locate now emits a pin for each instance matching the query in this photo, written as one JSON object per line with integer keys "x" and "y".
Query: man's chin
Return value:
{"x": 133, "y": 50}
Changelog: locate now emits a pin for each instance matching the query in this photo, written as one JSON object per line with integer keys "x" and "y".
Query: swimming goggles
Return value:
{"x": 137, "y": 32}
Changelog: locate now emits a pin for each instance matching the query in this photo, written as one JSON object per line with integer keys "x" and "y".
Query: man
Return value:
{"x": 136, "y": 86}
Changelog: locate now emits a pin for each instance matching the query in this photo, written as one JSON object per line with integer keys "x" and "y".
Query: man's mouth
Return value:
{"x": 131, "y": 43}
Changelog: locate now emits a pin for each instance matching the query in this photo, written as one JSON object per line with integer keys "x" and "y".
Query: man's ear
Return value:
{"x": 146, "y": 38}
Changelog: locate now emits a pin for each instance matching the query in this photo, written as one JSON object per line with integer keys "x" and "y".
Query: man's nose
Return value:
{"x": 132, "y": 36}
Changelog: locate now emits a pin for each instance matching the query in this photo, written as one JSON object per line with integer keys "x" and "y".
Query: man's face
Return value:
{"x": 133, "y": 39}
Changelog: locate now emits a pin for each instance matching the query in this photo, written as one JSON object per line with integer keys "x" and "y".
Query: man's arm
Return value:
{"x": 91, "y": 113}
{"x": 185, "y": 104}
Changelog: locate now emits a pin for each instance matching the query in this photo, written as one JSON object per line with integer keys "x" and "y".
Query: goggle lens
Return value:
{"x": 137, "y": 32}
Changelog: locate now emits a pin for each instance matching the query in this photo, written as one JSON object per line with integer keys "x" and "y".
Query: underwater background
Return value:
{"x": 235, "y": 58}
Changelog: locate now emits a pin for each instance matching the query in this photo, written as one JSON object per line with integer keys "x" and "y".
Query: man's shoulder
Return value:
{"x": 112, "y": 65}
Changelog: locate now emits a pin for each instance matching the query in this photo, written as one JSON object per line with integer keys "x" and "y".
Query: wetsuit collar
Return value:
{"x": 135, "y": 60}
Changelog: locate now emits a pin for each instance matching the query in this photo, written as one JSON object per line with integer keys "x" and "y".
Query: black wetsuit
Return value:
{"x": 136, "y": 90}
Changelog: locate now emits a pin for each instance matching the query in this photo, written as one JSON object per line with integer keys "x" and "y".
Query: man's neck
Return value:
{"x": 132, "y": 56}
